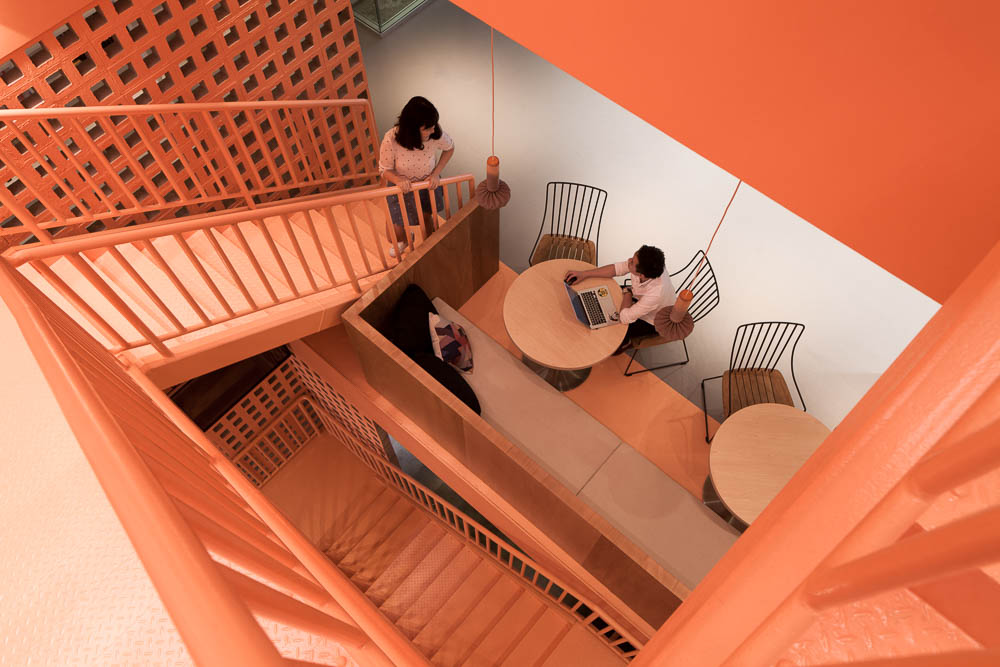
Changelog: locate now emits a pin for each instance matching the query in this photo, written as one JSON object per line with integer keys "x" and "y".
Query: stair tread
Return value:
{"x": 265, "y": 258}
{"x": 112, "y": 272}
{"x": 351, "y": 526}
{"x": 404, "y": 563}
{"x": 354, "y": 251}
{"x": 369, "y": 569}
{"x": 479, "y": 581}
{"x": 440, "y": 591}
{"x": 418, "y": 584}
{"x": 477, "y": 622}
{"x": 540, "y": 639}
{"x": 507, "y": 631}
{"x": 213, "y": 266}
{"x": 313, "y": 263}
{"x": 380, "y": 518}
{"x": 581, "y": 647}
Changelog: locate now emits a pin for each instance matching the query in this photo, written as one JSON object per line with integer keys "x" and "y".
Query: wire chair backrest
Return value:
{"x": 705, "y": 288}
{"x": 761, "y": 345}
{"x": 573, "y": 209}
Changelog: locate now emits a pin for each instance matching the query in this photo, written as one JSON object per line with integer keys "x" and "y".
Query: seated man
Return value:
{"x": 651, "y": 290}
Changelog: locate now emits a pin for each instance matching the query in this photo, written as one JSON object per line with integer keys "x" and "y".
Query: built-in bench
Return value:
{"x": 624, "y": 487}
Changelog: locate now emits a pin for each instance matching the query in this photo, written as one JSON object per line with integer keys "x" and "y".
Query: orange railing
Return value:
{"x": 120, "y": 165}
{"x": 275, "y": 277}
{"x": 920, "y": 449}
{"x": 196, "y": 523}
{"x": 508, "y": 556}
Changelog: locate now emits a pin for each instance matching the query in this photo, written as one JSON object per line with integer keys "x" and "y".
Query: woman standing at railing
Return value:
{"x": 407, "y": 155}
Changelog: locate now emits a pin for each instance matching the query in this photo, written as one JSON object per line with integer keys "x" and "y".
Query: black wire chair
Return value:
{"x": 706, "y": 298}
{"x": 753, "y": 376}
{"x": 573, "y": 212}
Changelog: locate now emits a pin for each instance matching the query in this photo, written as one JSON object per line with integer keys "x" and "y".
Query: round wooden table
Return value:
{"x": 540, "y": 320}
{"x": 757, "y": 450}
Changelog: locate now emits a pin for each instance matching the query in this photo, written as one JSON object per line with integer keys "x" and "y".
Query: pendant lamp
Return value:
{"x": 675, "y": 322}
{"x": 492, "y": 193}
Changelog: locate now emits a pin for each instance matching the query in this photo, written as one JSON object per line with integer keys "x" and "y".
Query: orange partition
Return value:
{"x": 875, "y": 121}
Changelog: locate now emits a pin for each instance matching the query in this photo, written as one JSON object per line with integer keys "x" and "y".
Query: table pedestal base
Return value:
{"x": 561, "y": 380}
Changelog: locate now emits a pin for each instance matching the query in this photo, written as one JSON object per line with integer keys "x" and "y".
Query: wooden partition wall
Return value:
{"x": 555, "y": 527}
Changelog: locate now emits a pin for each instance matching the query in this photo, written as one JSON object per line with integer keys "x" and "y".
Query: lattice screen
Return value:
{"x": 257, "y": 409}
{"x": 336, "y": 407}
{"x": 280, "y": 441}
{"x": 162, "y": 51}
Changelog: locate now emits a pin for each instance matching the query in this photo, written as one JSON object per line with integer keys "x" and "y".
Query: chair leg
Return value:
{"x": 704, "y": 405}
{"x": 656, "y": 368}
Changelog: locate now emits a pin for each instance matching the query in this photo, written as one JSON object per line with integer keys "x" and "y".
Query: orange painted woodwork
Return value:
{"x": 118, "y": 52}
{"x": 20, "y": 21}
{"x": 874, "y": 121}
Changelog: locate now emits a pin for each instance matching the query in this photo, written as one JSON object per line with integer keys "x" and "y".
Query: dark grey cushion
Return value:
{"x": 452, "y": 380}
{"x": 407, "y": 326}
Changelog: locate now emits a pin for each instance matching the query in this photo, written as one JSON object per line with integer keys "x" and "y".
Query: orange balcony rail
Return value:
{"x": 111, "y": 166}
{"x": 190, "y": 515}
{"x": 240, "y": 262}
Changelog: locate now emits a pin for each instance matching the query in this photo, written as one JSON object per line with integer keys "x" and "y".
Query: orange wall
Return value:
{"x": 21, "y": 20}
{"x": 875, "y": 121}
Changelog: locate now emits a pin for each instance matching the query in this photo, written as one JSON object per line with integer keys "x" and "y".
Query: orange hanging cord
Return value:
{"x": 493, "y": 98}
{"x": 705, "y": 258}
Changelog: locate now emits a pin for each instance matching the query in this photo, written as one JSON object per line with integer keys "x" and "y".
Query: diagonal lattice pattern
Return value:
{"x": 118, "y": 52}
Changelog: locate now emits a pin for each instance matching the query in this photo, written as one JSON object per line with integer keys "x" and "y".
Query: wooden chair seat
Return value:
{"x": 752, "y": 386}
{"x": 556, "y": 246}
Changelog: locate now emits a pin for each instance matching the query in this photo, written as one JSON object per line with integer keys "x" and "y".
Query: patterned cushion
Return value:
{"x": 450, "y": 343}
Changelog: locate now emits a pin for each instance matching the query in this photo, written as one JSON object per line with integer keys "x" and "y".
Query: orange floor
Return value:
{"x": 672, "y": 435}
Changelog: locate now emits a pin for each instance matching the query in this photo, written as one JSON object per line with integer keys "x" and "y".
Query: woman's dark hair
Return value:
{"x": 417, "y": 113}
{"x": 650, "y": 261}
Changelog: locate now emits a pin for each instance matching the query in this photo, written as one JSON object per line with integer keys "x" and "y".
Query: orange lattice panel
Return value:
{"x": 125, "y": 52}
{"x": 337, "y": 409}
{"x": 255, "y": 411}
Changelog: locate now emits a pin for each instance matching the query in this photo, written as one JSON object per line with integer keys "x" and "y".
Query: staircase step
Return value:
{"x": 581, "y": 647}
{"x": 313, "y": 262}
{"x": 439, "y": 592}
{"x": 369, "y": 569}
{"x": 508, "y": 631}
{"x": 354, "y": 252}
{"x": 539, "y": 641}
{"x": 418, "y": 583}
{"x": 405, "y": 563}
{"x": 366, "y": 238}
{"x": 118, "y": 279}
{"x": 257, "y": 242}
{"x": 359, "y": 522}
{"x": 477, "y": 623}
{"x": 373, "y": 533}
{"x": 214, "y": 267}
{"x": 435, "y": 632}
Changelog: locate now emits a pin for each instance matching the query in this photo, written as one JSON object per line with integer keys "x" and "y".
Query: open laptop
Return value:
{"x": 593, "y": 307}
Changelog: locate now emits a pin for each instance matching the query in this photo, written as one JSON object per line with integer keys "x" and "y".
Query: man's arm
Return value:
{"x": 632, "y": 311}
{"x": 600, "y": 272}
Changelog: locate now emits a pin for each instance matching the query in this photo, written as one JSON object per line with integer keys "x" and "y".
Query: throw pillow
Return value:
{"x": 450, "y": 343}
{"x": 450, "y": 378}
{"x": 406, "y": 325}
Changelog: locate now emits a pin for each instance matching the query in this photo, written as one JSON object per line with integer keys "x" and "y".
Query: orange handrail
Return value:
{"x": 388, "y": 639}
{"x": 214, "y": 623}
{"x": 124, "y": 164}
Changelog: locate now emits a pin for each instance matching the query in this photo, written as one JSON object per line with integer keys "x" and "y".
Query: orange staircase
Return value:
{"x": 453, "y": 601}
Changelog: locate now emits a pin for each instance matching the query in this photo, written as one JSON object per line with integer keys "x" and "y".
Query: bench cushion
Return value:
{"x": 450, "y": 378}
{"x": 406, "y": 326}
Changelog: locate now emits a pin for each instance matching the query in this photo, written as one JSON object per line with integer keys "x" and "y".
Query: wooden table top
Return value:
{"x": 540, "y": 320}
{"x": 757, "y": 450}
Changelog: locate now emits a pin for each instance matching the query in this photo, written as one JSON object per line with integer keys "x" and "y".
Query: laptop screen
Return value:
{"x": 574, "y": 299}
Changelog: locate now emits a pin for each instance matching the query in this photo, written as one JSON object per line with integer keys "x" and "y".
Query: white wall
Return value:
{"x": 770, "y": 263}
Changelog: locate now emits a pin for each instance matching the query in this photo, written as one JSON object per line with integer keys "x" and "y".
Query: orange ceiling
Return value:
{"x": 878, "y": 122}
